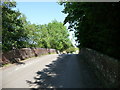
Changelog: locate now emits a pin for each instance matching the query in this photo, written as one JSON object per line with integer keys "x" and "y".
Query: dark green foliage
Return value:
{"x": 96, "y": 25}
{"x": 13, "y": 32}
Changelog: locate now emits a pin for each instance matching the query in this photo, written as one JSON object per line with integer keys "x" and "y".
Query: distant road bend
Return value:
{"x": 50, "y": 71}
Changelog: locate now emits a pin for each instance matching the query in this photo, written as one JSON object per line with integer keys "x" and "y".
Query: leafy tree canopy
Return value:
{"x": 19, "y": 33}
{"x": 96, "y": 25}
{"x": 13, "y": 31}
{"x": 51, "y": 35}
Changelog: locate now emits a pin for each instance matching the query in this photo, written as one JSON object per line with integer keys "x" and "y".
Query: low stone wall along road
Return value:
{"x": 50, "y": 71}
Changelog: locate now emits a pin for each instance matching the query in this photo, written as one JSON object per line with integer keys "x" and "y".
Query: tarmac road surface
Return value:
{"x": 50, "y": 71}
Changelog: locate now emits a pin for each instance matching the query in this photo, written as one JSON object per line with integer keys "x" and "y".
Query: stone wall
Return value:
{"x": 14, "y": 56}
{"x": 105, "y": 67}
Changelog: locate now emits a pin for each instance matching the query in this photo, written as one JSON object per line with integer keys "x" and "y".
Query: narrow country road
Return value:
{"x": 50, "y": 71}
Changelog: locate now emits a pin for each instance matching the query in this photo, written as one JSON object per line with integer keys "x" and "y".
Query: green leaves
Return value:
{"x": 71, "y": 50}
{"x": 51, "y": 35}
{"x": 96, "y": 25}
{"x": 13, "y": 32}
{"x": 18, "y": 33}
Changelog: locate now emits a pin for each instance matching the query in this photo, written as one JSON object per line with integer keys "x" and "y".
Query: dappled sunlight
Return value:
{"x": 68, "y": 71}
{"x": 49, "y": 76}
{"x": 74, "y": 46}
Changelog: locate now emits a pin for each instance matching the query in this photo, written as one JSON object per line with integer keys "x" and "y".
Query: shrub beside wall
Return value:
{"x": 106, "y": 68}
{"x": 23, "y": 53}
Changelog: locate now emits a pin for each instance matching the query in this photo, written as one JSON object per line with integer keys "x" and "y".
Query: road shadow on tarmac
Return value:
{"x": 65, "y": 73}
{"x": 51, "y": 75}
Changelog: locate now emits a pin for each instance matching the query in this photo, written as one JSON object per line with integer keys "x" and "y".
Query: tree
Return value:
{"x": 96, "y": 25}
{"x": 51, "y": 35}
{"x": 71, "y": 50}
{"x": 13, "y": 31}
{"x": 59, "y": 36}
{"x": 19, "y": 33}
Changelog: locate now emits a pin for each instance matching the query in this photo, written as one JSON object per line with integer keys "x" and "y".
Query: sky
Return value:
{"x": 43, "y": 13}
